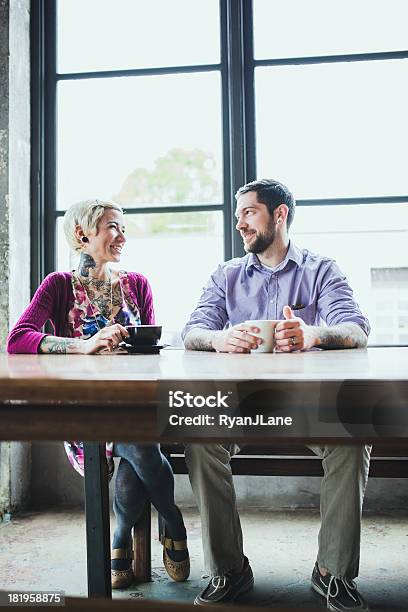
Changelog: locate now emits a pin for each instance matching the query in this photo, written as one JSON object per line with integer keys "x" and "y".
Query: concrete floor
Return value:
{"x": 46, "y": 551}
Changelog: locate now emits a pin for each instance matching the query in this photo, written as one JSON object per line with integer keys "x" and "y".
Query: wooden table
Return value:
{"x": 115, "y": 397}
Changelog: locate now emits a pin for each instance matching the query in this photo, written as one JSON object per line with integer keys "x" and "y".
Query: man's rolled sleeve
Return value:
{"x": 336, "y": 303}
{"x": 211, "y": 310}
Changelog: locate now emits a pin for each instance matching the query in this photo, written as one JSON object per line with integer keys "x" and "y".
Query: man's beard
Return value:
{"x": 262, "y": 241}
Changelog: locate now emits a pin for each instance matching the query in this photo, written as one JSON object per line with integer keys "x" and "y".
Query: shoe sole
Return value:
{"x": 319, "y": 591}
{"x": 244, "y": 589}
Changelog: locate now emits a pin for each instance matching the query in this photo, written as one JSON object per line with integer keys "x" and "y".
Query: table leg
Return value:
{"x": 97, "y": 521}
{"x": 142, "y": 565}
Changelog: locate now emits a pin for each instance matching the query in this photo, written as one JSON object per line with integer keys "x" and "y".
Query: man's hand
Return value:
{"x": 293, "y": 334}
{"x": 237, "y": 339}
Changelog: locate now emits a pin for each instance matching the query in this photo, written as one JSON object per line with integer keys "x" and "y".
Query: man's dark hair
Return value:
{"x": 272, "y": 194}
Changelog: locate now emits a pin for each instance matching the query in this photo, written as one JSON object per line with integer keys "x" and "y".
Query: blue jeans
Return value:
{"x": 143, "y": 474}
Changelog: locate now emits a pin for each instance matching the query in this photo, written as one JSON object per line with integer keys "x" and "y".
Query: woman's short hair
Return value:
{"x": 87, "y": 214}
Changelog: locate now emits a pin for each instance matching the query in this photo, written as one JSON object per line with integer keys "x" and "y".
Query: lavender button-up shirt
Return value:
{"x": 243, "y": 288}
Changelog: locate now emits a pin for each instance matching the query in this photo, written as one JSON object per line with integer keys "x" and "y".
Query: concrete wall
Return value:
{"x": 14, "y": 217}
{"x": 19, "y": 159}
{"x": 4, "y": 170}
{"x": 55, "y": 483}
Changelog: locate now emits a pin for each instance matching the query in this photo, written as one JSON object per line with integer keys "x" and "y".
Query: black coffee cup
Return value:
{"x": 143, "y": 335}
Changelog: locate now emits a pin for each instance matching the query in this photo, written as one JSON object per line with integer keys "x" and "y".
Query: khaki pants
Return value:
{"x": 341, "y": 499}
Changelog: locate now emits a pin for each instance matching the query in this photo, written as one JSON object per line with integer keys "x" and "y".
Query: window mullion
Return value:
{"x": 237, "y": 12}
{"x": 50, "y": 132}
{"x": 249, "y": 91}
{"x": 37, "y": 144}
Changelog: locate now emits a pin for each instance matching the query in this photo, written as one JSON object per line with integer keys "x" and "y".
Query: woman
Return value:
{"x": 89, "y": 310}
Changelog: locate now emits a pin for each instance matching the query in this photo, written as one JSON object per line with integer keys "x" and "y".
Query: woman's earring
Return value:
{"x": 84, "y": 239}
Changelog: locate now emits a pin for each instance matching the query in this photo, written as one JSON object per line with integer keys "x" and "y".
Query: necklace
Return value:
{"x": 108, "y": 320}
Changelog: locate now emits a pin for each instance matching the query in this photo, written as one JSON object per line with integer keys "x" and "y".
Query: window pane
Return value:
{"x": 295, "y": 28}
{"x": 140, "y": 140}
{"x": 369, "y": 244}
{"x": 168, "y": 249}
{"x": 121, "y": 34}
{"x": 334, "y": 130}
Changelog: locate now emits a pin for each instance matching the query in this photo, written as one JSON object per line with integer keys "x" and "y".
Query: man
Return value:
{"x": 270, "y": 282}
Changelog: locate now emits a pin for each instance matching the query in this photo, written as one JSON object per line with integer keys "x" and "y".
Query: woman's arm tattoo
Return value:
{"x": 59, "y": 346}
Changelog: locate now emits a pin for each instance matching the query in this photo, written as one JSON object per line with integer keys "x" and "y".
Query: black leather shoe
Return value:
{"x": 341, "y": 594}
{"x": 226, "y": 588}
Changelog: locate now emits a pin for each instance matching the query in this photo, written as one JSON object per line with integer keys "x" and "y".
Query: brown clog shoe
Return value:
{"x": 177, "y": 570}
{"x": 122, "y": 578}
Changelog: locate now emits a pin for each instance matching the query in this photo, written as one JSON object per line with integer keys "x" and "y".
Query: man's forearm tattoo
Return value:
{"x": 345, "y": 335}
{"x": 199, "y": 340}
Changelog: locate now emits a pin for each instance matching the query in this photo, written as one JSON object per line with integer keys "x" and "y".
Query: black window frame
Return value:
{"x": 237, "y": 68}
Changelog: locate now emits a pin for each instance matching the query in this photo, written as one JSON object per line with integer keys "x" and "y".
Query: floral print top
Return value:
{"x": 85, "y": 321}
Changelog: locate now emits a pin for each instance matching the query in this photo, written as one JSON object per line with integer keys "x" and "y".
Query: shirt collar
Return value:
{"x": 293, "y": 254}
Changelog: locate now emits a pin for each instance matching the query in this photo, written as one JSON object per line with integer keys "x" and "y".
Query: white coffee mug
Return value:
{"x": 266, "y": 333}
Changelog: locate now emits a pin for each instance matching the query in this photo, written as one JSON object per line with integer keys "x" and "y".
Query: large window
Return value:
{"x": 168, "y": 106}
{"x": 331, "y": 95}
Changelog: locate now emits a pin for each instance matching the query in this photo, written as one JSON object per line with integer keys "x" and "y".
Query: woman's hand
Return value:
{"x": 107, "y": 338}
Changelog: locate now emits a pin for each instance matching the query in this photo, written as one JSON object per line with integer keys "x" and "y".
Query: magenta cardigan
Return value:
{"x": 52, "y": 302}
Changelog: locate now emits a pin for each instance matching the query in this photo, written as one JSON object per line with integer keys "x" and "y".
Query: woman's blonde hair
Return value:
{"x": 87, "y": 214}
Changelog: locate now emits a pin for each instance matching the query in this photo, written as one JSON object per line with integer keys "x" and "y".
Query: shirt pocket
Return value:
{"x": 308, "y": 313}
